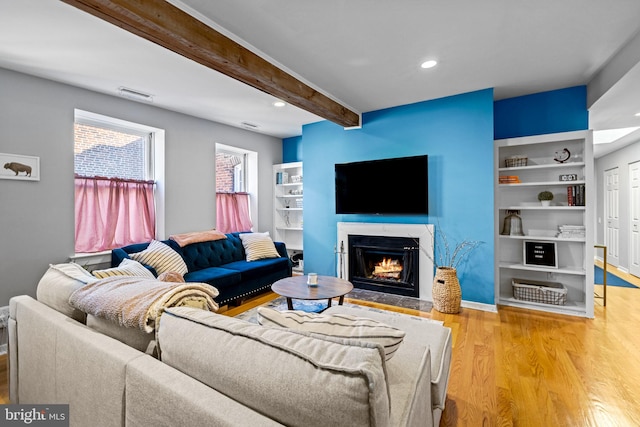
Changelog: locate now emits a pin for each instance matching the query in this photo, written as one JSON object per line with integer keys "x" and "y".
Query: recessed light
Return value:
{"x": 429, "y": 64}
{"x": 279, "y": 104}
{"x": 637, "y": 114}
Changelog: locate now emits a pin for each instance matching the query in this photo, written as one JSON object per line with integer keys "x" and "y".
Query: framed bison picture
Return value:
{"x": 16, "y": 166}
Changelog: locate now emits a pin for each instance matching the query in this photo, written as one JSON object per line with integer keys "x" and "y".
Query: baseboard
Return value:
{"x": 492, "y": 308}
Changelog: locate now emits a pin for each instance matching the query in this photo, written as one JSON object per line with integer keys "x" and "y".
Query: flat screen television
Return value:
{"x": 397, "y": 186}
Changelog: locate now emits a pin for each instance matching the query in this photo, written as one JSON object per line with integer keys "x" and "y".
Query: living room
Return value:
{"x": 456, "y": 131}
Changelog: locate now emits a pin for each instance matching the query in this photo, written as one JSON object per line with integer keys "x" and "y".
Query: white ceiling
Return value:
{"x": 363, "y": 53}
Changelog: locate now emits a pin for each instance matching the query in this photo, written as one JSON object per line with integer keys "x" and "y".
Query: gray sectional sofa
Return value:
{"x": 217, "y": 370}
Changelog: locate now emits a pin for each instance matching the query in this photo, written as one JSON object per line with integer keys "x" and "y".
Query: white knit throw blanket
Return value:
{"x": 136, "y": 302}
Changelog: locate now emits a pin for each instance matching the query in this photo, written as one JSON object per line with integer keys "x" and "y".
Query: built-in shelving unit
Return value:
{"x": 571, "y": 183}
{"x": 288, "y": 206}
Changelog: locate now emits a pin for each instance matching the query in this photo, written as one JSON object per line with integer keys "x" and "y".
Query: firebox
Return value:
{"x": 384, "y": 264}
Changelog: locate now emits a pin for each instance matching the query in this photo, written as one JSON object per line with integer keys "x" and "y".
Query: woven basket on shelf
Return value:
{"x": 446, "y": 291}
{"x": 515, "y": 161}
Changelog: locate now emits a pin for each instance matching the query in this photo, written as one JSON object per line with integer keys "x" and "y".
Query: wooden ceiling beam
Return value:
{"x": 166, "y": 25}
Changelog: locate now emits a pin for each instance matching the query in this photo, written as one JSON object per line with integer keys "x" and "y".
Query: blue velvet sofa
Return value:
{"x": 222, "y": 264}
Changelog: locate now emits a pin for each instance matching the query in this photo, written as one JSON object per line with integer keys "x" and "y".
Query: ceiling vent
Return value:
{"x": 249, "y": 125}
{"x": 135, "y": 95}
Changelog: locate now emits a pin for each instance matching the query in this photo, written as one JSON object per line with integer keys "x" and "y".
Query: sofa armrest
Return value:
{"x": 117, "y": 256}
{"x": 282, "y": 250}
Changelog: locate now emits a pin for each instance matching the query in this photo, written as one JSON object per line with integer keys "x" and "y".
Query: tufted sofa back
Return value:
{"x": 214, "y": 253}
{"x": 196, "y": 255}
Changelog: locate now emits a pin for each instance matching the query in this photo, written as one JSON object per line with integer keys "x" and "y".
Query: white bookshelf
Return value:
{"x": 288, "y": 206}
{"x": 574, "y": 268}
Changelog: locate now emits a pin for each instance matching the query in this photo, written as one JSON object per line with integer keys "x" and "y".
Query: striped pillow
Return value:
{"x": 258, "y": 246}
{"x": 335, "y": 327}
{"x": 127, "y": 267}
{"x": 161, "y": 257}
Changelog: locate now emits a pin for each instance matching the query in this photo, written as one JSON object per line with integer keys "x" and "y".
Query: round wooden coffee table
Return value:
{"x": 296, "y": 287}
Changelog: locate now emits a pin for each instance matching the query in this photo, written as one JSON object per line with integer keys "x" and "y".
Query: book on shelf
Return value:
{"x": 575, "y": 195}
{"x": 282, "y": 177}
{"x": 509, "y": 179}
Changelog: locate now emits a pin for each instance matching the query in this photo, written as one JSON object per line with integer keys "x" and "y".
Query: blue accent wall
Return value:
{"x": 457, "y": 134}
{"x": 292, "y": 149}
{"x": 561, "y": 110}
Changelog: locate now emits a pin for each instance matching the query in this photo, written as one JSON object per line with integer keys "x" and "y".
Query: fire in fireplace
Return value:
{"x": 384, "y": 264}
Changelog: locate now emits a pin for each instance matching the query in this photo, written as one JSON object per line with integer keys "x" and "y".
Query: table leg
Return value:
{"x": 329, "y": 303}
{"x": 289, "y": 303}
{"x": 341, "y": 300}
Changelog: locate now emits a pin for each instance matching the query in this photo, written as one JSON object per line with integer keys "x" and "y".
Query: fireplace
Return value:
{"x": 417, "y": 236}
{"x": 384, "y": 264}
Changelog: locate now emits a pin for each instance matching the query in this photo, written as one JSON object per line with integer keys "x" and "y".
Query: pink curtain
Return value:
{"x": 113, "y": 212}
{"x": 232, "y": 212}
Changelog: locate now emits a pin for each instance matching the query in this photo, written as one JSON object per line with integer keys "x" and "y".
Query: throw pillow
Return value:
{"x": 258, "y": 246}
{"x": 127, "y": 267}
{"x": 161, "y": 257}
{"x": 341, "y": 326}
{"x": 171, "y": 276}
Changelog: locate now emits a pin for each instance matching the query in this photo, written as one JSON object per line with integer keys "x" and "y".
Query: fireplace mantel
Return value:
{"x": 422, "y": 232}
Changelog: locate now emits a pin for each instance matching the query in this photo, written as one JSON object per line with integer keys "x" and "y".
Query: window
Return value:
{"x": 233, "y": 199}
{"x": 115, "y": 197}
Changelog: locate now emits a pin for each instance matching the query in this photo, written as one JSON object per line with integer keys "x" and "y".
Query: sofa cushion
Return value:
{"x": 58, "y": 283}
{"x": 258, "y": 246}
{"x": 421, "y": 334}
{"x": 128, "y": 267}
{"x": 161, "y": 257}
{"x": 259, "y": 268}
{"x": 220, "y": 278}
{"x": 286, "y": 375}
{"x": 338, "y": 326}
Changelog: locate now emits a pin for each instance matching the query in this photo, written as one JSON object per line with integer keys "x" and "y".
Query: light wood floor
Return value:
{"x": 526, "y": 368}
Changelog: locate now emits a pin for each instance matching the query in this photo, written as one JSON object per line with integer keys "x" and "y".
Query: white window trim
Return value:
{"x": 251, "y": 177}
{"x": 157, "y": 151}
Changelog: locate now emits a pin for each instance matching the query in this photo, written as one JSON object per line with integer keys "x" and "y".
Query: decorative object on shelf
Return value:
{"x": 568, "y": 177}
{"x": 512, "y": 225}
{"x": 515, "y": 161}
{"x": 545, "y": 197}
{"x": 20, "y": 167}
{"x": 562, "y": 156}
{"x": 446, "y": 290}
{"x": 540, "y": 254}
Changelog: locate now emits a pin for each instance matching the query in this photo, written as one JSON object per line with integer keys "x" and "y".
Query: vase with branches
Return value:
{"x": 447, "y": 256}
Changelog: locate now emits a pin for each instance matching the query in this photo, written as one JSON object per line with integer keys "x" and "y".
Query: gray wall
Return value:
{"x": 37, "y": 218}
{"x": 620, "y": 158}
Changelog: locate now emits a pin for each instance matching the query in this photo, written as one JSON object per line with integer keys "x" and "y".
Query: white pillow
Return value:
{"x": 335, "y": 326}
{"x": 161, "y": 257}
{"x": 127, "y": 267}
{"x": 258, "y": 246}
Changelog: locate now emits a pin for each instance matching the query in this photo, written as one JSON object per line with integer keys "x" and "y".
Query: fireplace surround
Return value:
{"x": 417, "y": 238}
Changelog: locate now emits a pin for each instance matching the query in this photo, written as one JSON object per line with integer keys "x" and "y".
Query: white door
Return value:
{"x": 634, "y": 214}
{"x": 612, "y": 216}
